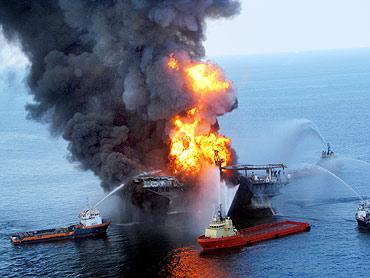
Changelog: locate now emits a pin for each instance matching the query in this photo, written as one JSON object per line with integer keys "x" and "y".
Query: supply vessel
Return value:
{"x": 91, "y": 224}
{"x": 363, "y": 215}
{"x": 221, "y": 232}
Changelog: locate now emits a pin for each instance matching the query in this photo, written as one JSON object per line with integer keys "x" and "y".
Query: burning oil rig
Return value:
{"x": 257, "y": 185}
{"x": 163, "y": 195}
{"x": 156, "y": 195}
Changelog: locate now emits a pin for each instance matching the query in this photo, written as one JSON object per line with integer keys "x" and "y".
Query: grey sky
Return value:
{"x": 291, "y": 25}
{"x": 272, "y": 26}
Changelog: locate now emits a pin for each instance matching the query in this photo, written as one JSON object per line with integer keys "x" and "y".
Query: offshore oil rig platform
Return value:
{"x": 257, "y": 185}
{"x": 157, "y": 195}
{"x": 160, "y": 195}
{"x": 263, "y": 180}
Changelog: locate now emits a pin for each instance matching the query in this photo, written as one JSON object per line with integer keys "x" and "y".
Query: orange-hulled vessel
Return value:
{"x": 91, "y": 224}
{"x": 221, "y": 233}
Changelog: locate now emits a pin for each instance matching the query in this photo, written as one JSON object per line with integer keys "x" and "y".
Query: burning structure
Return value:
{"x": 256, "y": 188}
{"x": 157, "y": 194}
{"x": 124, "y": 82}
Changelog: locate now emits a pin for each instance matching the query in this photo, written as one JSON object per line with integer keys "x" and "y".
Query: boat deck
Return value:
{"x": 23, "y": 235}
{"x": 285, "y": 226}
{"x": 256, "y": 234}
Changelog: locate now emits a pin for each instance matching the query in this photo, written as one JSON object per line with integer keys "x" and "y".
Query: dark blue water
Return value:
{"x": 284, "y": 101}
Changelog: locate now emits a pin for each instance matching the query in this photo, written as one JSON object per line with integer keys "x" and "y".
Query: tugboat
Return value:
{"x": 91, "y": 224}
{"x": 328, "y": 154}
{"x": 363, "y": 215}
{"x": 221, "y": 232}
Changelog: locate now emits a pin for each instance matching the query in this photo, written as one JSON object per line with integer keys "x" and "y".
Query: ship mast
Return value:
{"x": 218, "y": 162}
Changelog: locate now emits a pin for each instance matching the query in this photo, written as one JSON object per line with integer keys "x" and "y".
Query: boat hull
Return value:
{"x": 91, "y": 231}
{"x": 254, "y": 235}
{"x": 72, "y": 232}
{"x": 363, "y": 224}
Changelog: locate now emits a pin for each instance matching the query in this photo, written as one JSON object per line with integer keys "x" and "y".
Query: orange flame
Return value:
{"x": 189, "y": 149}
{"x": 172, "y": 62}
{"x": 206, "y": 78}
{"x": 190, "y": 146}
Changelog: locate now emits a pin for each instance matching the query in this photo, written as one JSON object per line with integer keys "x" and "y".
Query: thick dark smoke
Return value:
{"x": 97, "y": 73}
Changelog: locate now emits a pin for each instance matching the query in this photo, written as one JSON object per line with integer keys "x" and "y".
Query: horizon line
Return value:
{"x": 288, "y": 52}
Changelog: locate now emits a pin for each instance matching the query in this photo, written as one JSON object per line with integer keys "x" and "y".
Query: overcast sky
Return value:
{"x": 290, "y": 26}
{"x": 266, "y": 26}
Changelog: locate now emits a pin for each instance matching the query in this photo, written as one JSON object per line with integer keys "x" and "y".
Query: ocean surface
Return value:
{"x": 289, "y": 106}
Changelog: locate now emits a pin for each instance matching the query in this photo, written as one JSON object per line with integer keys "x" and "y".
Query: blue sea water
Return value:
{"x": 285, "y": 101}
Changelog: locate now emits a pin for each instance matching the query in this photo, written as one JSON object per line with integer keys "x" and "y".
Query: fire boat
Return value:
{"x": 221, "y": 232}
{"x": 328, "y": 154}
{"x": 91, "y": 224}
{"x": 363, "y": 215}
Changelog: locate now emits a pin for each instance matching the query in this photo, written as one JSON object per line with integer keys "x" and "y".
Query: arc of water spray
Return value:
{"x": 317, "y": 167}
{"x": 313, "y": 127}
{"x": 364, "y": 163}
{"x": 124, "y": 183}
{"x": 307, "y": 125}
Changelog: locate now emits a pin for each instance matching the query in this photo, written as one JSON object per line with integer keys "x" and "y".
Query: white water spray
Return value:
{"x": 340, "y": 180}
{"x": 123, "y": 185}
{"x": 213, "y": 192}
{"x": 303, "y": 126}
{"x": 226, "y": 195}
{"x": 110, "y": 194}
{"x": 323, "y": 170}
{"x": 364, "y": 163}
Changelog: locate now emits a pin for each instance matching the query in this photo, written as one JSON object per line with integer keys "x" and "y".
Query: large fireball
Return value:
{"x": 205, "y": 78}
{"x": 192, "y": 140}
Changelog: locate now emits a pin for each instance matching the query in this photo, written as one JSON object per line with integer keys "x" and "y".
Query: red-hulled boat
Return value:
{"x": 91, "y": 224}
{"x": 222, "y": 234}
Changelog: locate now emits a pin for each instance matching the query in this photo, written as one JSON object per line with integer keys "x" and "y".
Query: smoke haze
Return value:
{"x": 98, "y": 78}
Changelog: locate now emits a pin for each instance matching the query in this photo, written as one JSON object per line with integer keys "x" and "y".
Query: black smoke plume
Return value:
{"x": 97, "y": 74}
